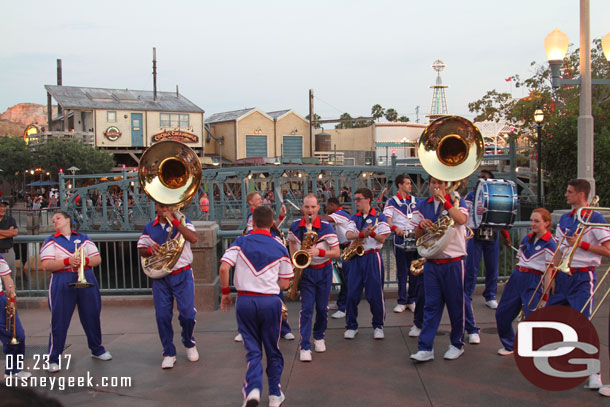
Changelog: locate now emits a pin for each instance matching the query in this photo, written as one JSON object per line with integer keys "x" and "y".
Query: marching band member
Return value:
{"x": 339, "y": 217}
{"x": 262, "y": 270}
{"x": 178, "y": 284}
{"x": 316, "y": 280}
{"x": 443, "y": 275}
{"x": 366, "y": 271}
{"x": 7, "y": 296}
{"x": 535, "y": 253}
{"x": 254, "y": 200}
{"x": 488, "y": 247}
{"x": 574, "y": 289}
{"x": 399, "y": 211}
{"x": 58, "y": 256}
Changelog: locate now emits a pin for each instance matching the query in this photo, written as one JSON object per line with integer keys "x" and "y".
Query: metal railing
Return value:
{"x": 119, "y": 273}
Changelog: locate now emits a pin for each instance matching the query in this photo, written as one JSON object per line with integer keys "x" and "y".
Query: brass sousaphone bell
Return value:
{"x": 170, "y": 174}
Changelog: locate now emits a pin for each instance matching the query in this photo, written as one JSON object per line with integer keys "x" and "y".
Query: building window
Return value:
{"x": 111, "y": 116}
{"x": 175, "y": 120}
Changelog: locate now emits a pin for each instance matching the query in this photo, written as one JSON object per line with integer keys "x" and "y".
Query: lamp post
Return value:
{"x": 538, "y": 118}
{"x": 556, "y": 46}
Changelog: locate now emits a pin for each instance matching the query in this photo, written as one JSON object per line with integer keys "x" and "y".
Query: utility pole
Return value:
{"x": 311, "y": 122}
{"x": 416, "y": 114}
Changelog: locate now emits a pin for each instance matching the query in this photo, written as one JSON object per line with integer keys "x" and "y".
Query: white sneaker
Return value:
{"x": 411, "y": 307}
{"x": 276, "y": 401}
{"x": 505, "y": 352}
{"x": 378, "y": 333}
{"x": 350, "y": 333}
{"x": 289, "y": 336}
{"x": 319, "y": 345}
{"x": 305, "y": 355}
{"x": 53, "y": 368}
{"x": 400, "y": 308}
{"x": 104, "y": 356}
{"x": 474, "y": 339}
{"x": 595, "y": 382}
{"x": 414, "y": 332}
{"x": 333, "y": 306}
{"x": 604, "y": 391}
{"x": 493, "y": 304}
{"x": 191, "y": 354}
{"x": 423, "y": 355}
{"x": 338, "y": 315}
{"x": 238, "y": 338}
{"x": 253, "y": 398}
{"x": 453, "y": 353}
{"x": 168, "y": 362}
{"x": 23, "y": 374}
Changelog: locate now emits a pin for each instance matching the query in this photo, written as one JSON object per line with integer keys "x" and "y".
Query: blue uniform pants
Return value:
{"x": 6, "y": 337}
{"x": 62, "y": 301}
{"x": 490, "y": 251}
{"x": 403, "y": 273}
{"x": 365, "y": 272}
{"x": 443, "y": 284}
{"x": 516, "y": 296}
{"x": 574, "y": 290}
{"x": 342, "y": 298}
{"x": 315, "y": 290}
{"x": 181, "y": 287}
{"x": 420, "y": 299}
{"x": 258, "y": 322}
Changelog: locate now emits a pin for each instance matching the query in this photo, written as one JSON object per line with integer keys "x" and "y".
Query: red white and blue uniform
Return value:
{"x": 367, "y": 271}
{"x": 532, "y": 260}
{"x": 443, "y": 279}
{"x": 16, "y": 351}
{"x": 179, "y": 284}
{"x": 341, "y": 220}
{"x": 574, "y": 290}
{"x": 259, "y": 262}
{"x": 400, "y": 210}
{"x": 274, "y": 233}
{"x": 315, "y": 281}
{"x": 63, "y": 298}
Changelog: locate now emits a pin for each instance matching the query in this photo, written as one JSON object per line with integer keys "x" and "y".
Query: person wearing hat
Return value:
{"x": 8, "y": 230}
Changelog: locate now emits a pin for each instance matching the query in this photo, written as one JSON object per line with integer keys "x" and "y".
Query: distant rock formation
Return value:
{"x": 27, "y": 113}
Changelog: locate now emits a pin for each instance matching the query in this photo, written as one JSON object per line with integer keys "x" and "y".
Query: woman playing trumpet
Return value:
{"x": 535, "y": 254}
{"x": 8, "y": 316}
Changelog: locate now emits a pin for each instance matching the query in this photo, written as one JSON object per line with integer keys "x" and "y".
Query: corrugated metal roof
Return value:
{"x": 74, "y": 97}
{"x": 228, "y": 116}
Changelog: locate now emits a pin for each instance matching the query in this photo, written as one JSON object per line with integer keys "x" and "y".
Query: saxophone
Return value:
{"x": 356, "y": 247}
{"x": 301, "y": 259}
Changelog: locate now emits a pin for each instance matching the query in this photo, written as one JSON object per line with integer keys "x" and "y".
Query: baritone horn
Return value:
{"x": 170, "y": 174}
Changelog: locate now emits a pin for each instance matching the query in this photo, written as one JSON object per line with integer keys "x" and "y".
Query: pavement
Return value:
{"x": 359, "y": 372}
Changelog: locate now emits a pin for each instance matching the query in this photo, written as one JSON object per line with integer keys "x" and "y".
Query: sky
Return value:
{"x": 229, "y": 55}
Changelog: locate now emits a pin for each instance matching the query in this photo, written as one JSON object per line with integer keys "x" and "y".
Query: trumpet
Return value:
{"x": 79, "y": 252}
{"x": 11, "y": 320}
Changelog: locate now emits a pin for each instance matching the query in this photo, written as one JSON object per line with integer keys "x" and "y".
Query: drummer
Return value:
{"x": 486, "y": 244}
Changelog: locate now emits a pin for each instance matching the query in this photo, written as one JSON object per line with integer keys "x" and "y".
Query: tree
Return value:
{"x": 391, "y": 115}
{"x": 345, "y": 125}
{"x": 56, "y": 154}
{"x": 16, "y": 159}
{"x": 377, "y": 111}
{"x": 561, "y": 109}
{"x": 316, "y": 117}
{"x": 403, "y": 119}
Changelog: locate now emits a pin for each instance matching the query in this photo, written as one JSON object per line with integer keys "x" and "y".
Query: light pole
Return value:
{"x": 556, "y": 46}
{"x": 538, "y": 118}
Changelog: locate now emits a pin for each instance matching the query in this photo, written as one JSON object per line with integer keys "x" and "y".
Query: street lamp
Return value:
{"x": 538, "y": 118}
{"x": 556, "y": 48}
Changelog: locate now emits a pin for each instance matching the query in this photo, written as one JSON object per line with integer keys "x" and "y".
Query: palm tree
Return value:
{"x": 377, "y": 111}
{"x": 391, "y": 115}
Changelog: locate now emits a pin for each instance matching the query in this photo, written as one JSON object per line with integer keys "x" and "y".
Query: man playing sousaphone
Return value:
{"x": 316, "y": 279}
{"x": 178, "y": 284}
{"x": 443, "y": 272}
{"x": 59, "y": 256}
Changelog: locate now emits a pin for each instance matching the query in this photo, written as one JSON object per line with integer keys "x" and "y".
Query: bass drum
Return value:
{"x": 495, "y": 203}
